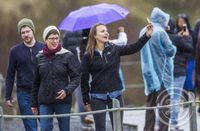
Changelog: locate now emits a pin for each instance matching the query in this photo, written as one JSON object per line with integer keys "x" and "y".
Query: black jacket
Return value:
{"x": 104, "y": 70}
{"x": 52, "y": 75}
{"x": 184, "y": 50}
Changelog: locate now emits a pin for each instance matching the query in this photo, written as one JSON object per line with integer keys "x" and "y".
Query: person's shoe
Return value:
{"x": 199, "y": 109}
{"x": 176, "y": 129}
{"x": 89, "y": 119}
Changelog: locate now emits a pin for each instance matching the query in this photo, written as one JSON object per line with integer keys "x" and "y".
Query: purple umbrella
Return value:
{"x": 87, "y": 16}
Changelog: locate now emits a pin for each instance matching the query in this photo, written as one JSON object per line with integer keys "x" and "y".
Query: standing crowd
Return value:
{"x": 88, "y": 63}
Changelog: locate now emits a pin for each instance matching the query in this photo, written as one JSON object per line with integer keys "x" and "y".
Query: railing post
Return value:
{"x": 117, "y": 123}
{"x": 1, "y": 119}
{"x": 1, "y": 85}
{"x": 193, "y": 119}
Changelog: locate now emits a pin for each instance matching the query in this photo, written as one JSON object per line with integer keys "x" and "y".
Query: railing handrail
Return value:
{"x": 95, "y": 112}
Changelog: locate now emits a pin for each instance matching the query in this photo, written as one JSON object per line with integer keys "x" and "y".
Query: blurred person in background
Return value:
{"x": 120, "y": 41}
{"x": 197, "y": 58}
{"x": 21, "y": 62}
{"x": 183, "y": 42}
{"x": 182, "y": 23}
{"x": 57, "y": 75}
{"x": 76, "y": 42}
{"x": 102, "y": 61}
{"x": 122, "y": 37}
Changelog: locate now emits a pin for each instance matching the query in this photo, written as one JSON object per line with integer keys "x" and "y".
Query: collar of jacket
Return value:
{"x": 106, "y": 45}
{"x": 62, "y": 51}
{"x": 34, "y": 45}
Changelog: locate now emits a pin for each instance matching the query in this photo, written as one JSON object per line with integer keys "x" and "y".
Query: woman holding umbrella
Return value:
{"x": 102, "y": 61}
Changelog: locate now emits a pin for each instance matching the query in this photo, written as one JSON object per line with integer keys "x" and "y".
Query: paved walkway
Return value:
{"x": 138, "y": 118}
{"x": 17, "y": 125}
{"x": 130, "y": 117}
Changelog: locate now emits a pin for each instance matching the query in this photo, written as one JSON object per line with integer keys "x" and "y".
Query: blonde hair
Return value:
{"x": 91, "y": 40}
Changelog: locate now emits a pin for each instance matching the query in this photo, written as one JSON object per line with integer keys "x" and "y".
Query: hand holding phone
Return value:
{"x": 184, "y": 27}
{"x": 149, "y": 27}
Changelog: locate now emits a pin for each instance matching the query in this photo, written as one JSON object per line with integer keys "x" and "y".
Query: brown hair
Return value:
{"x": 91, "y": 40}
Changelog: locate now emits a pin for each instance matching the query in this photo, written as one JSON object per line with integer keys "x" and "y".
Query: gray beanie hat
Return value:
{"x": 25, "y": 22}
{"x": 48, "y": 29}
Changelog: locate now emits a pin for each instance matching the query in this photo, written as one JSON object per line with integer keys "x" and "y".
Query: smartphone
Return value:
{"x": 148, "y": 20}
{"x": 184, "y": 27}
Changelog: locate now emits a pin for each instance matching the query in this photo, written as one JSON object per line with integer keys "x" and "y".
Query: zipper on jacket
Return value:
{"x": 105, "y": 58}
{"x": 31, "y": 52}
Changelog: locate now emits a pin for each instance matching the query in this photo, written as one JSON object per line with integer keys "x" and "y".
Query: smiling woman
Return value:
{"x": 101, "y": 61}
{"x": 54, "y": 66}
{"x": 52, "y": 41}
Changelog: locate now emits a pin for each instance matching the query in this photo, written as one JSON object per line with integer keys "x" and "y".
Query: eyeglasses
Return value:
{"x": 53, "y": 38}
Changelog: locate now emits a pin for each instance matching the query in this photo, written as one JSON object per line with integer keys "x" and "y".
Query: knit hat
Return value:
{"x": 25, "y": 22}
{"x": 48, "y": 29}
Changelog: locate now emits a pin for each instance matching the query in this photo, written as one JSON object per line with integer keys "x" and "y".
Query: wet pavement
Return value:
{"x": 17, "y": 125}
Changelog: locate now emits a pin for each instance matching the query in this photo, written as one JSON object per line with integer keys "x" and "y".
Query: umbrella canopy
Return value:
{"x": 87, "y": 16}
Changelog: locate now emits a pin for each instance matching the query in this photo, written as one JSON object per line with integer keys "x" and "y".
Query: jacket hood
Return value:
{"x": 172, "y": 25}
{"x": 62, "y": 51}
{"x": 197, "y": 26}
{"x": 160, "y": 17}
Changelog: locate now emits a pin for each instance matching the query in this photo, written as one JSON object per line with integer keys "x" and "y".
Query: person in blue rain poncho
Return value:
{"x": 157, "y": 70}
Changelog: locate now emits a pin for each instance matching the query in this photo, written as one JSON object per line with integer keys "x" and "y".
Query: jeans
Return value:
{"x": 122, "y": 78}
{"x": 100, "y": 118}
{"x": 46, "y": 124}
{"x": 24, "y": 99}
{"x": 177, "y": 93}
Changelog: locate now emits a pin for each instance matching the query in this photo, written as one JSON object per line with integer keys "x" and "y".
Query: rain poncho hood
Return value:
{"x": 160, "y": 17}
{"x": 157, "y": 55}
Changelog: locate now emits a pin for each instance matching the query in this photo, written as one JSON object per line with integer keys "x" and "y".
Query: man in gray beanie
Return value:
{"x": 21, "y": 62}
{"x": 25, "y": 22}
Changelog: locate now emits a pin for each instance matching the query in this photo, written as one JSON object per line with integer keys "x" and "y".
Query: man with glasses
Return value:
{"x": 21, "y": 62}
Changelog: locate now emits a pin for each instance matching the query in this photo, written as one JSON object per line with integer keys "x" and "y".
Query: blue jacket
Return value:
{"x": 21, "y": 61}
{"x": 157, "y": 55}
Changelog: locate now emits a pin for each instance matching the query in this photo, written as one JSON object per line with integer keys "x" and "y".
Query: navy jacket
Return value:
{"x": 21, "y": 61}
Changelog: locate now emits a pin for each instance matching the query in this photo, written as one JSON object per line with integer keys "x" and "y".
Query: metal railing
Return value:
{"x": 2, "y": 84}
{"x": 117, "y": 125}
